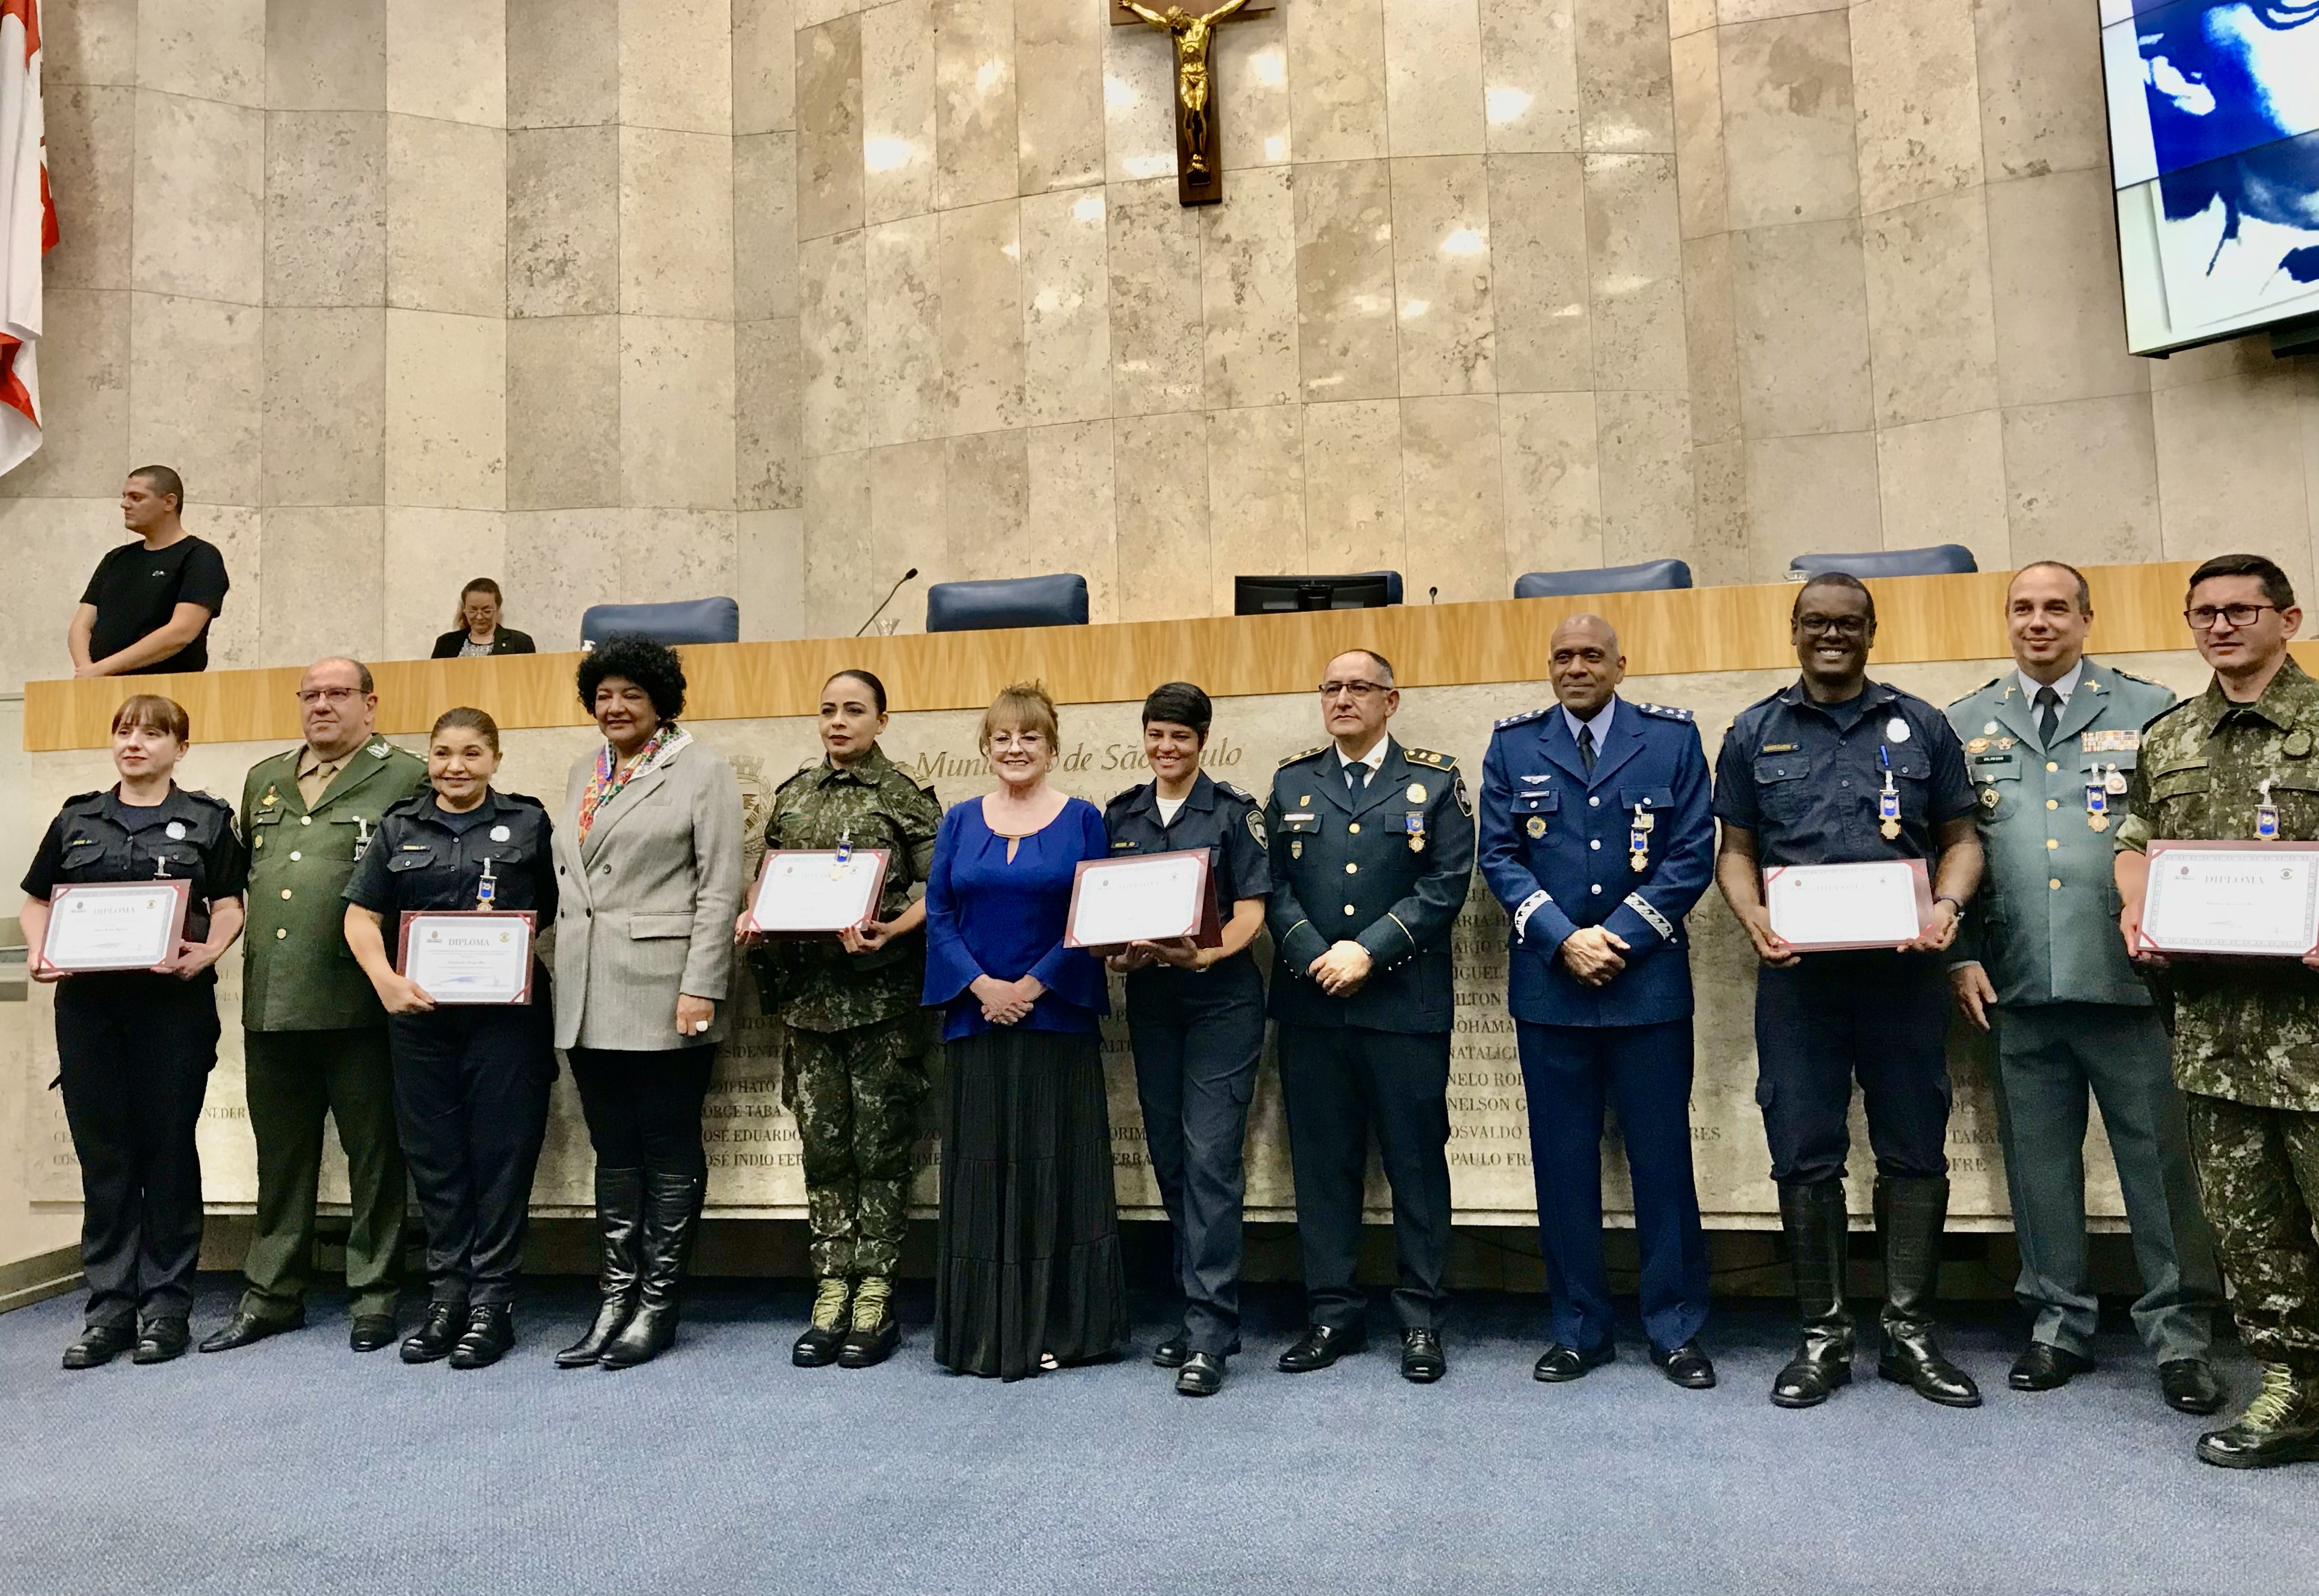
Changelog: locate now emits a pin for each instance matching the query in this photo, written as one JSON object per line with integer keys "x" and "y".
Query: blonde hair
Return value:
{"x": 1025, "y": 706}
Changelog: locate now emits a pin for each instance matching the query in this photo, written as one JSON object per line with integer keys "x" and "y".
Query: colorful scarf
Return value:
{"x": 609, "y": 778}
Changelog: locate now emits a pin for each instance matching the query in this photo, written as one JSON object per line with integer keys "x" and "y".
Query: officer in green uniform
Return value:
{"x": 857, "y": 1043}
{"x": 314, "y": 1037}
{"x": 2241, "y": 762}
{"x": 2050, "y": 747}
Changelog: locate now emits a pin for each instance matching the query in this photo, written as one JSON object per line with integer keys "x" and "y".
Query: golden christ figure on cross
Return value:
{"x": 1193, "y": 35}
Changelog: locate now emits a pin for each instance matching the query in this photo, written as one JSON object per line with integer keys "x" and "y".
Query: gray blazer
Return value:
{"x": 647, "y": 904}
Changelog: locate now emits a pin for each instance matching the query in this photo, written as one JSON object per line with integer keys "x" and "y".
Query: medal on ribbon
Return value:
{"x": 844, "y": 854}
{"x": 487, "y": 886}
{"x": 1536, "y": 827}
{"x": 2266, "y": 817}
{"x": 1638, "y": 839}
{"x": 2096, "y": 800}
{"x": 1414, "y": 825}
{"x": 362, "y": 838}
{"x": 1888, "y": 802}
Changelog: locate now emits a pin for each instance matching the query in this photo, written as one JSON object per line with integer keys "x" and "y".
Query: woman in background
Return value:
{"x": 477, "y": 630}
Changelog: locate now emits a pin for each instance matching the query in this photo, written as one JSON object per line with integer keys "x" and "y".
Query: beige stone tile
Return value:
{"x": 985, "y": 503}
{"x": 1944, "y": 482}
{"x": 1349, "y": 348}
{"x": 1553, "y": 488}
{"x": 325, "y": 208}
{"x": 1788, "y": 121}
{"x": 1453, "y": 495}
{"x": 1635, "y": 272}
{"x": 1811, "y": 495}
{"x": 768, "y": 452}
{"x": 897, "y": 111}
{"x": 448, "y": 58}
{"x": 446, "y": 210}
{"x": 211, "y": 49}
{"x": 1917, "y": 88}
{"x": 562, "y": 64}
{"x": 813, "y": 12}
{"x": 1336, "y": 80}
{"x": 769, "y": 549}
{"x": 1251, "y": 63}
{"x": 982, "y": 309}
{"x": 829, "y": 128}
{"x": 1072, "y": 521}
{"x": 1529, "y": 74}
{"x": 422, "y": 553}
{"x": 764, "y": 226}
{"x": 198, "y": 191}
{"x": 2232, "y": 358}
{"x": 1441, "y": 274}
{"x": 95, "y": 41}
{"x": 1156, "y": 335}
{"x": 676, "y": 65}
{"x": 908, "y": 525}
{"x": 1730, "y": 11}
{"x": 238, "y": 640}
{"x": 1352, "y": 486}
{"x": 833, "y": 326}
{"x": 1161, "y": 464}
{"x": 1718, "y": 554}
{"x": 2081, "y": 481}
{"x": 1801, "y": 308}
{"x": 1066, "y": 307}
{"x": 1433, "y": 76}
{"x": 2041, "y": 87}
{"x": 676, "y": 233}
{"x": 1697, "y": 72}
{"x": 325, "y": 429}
{"x": 675, "y": 555}
{"x": 559, "y": 561}
{"x": 676, "y": 413}
{"x": 563, "y": 221}
{"x": 1711, "y": 338}
{"x": 2230, "y": 464}
{"x": 195, "y": 372}
{"x": 1255, "y": 497}
{"x": 323, "y": 591}
{"x": 840, "y": 572}
{"x": 1932, "y": 330}
{"x": 764, "y": 67}
{"x": 1537, "y": 274}
{"x": 1687, "y": 17}
{"x": 92, "y": 144}
{"x": 905, "y": 398}
{"x": 975, "y": 123}
{"x": 1247, "y": 268}
{"x": 2053, "y": 255}
{"x": 83, "y": 449}
{"x": 1625, "y": 102}
{"x": 1058, "y": 109}
{"x": 1642, "y": 450}
{"x": 1138, "y": 105}
{"x": 54, "y": 546}
{"x": 563, "y": 413}
{"x": 445, "y": 411}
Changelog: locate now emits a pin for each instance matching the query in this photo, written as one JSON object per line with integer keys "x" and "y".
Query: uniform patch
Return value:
{"x": 2110, "y": 742}
{"x": 1256, "y": 829}
{"x": 381, "y": 750}
{"x": 1651, "y": 916}
{"x": 1465, "y": 799}
{"x": 1416, "y": 792}
{"x": 1777, "y": 748}
{"x": 1665, "y": 711}
{"x": 1524, "y": 718}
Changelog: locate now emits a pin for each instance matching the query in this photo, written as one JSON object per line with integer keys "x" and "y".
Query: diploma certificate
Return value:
{"x": 1147, "y": 899}
{"x": 817, "y": 891}
{"x": 114, "y": 925}
{"x": 469, "y": 955}
{"x": 2254, "y": 900}
{"x": 1818, "y": 907}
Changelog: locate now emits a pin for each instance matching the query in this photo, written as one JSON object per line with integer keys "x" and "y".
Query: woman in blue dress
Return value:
{"x": 1027, "y": 1273}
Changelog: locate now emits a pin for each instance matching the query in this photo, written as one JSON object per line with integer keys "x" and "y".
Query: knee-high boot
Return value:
{"x": 620, "y": 1220}
{"x": 1815, "y": 1221}
{"x": 1912, "y": 1212}
{"x": 671, "y": 1213}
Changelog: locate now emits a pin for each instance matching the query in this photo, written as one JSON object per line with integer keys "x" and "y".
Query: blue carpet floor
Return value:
{"x": 297, "y": 1468}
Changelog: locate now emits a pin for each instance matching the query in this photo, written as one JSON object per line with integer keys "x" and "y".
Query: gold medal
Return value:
{"x": 1890, "y": 828}
{"x": 1417, "y": 845}
{"x": 271, "y": 799}
{"x": 1296, "y": 848}
{"x": 2097, "y": 821}
{"x": 1990, "y": 798}
{"x": 1417, "y": 792}
{"x": 1536, "y": 827}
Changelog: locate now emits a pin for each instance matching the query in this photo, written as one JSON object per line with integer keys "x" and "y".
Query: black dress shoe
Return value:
{"x": 1322, "y": 1346}
{"x": 491, "y": 1332}
{"x": 1913, "y": 1357}
{"x": 160, "y": 1339}
{"x": 1688, "y": 1365}
{"x": 1558, "y": 1364}
{"x": 437, "y": 1333}
{"x": 1174, "y": 1347}
{"x": 2044, "y": 1366}
{"x": 369, "y": 1332}
{"x": 246, "y": 1329}
{"x": 1202, "y": 1374}
{"x": 99, "y": 1345}
{"x": 1421, "y": 1362}
{"x": 2190, "y": 1386}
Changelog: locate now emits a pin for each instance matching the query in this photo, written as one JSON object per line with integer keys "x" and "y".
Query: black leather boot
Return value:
{"x": 619, "y": 1222}
{"x": 1912, "y": 1212}
{"x": 1815, "y": 1221}
{"x": 489, "y": 1333}
{"x": 2280, "y": 1425}
{"x": 832, "y": 1302}
{"x": 437, "y": 1334}
{"x": 671, "y": 1209}
{"x": 876, "y": 1332}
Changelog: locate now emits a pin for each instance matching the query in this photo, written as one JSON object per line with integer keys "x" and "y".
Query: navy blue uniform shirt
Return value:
{"x": 423, "y": 858}
{"x": 1226, "y": 821}
{"x": 188, "y": 836}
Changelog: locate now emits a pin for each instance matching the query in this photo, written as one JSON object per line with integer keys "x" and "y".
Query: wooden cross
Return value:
{"x": 1199, "y": 169}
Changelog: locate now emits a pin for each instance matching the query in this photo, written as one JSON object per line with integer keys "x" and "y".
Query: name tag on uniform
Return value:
{"x": 2110, "y": 742}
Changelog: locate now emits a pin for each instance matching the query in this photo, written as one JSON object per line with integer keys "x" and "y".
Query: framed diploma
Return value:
{"x": 1150, "y": 897}
{"x": 461, "y": 956}
{"x": 1819, "y": 908}
{"x": 817, "y": 891}
{"x": 2257, "y": 900}
{"x": 99, "y": 925}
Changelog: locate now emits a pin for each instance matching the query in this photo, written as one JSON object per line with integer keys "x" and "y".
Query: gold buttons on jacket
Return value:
{"x": 1355, "y": 828}
{"x": 1351, "y": 869}
{"x": 2055, "y": 883}
{"x": 281, "y": 933}
{"x": 285, "y": 895}
{"x": 2051, "y": 843}
{"x": 2051, "y": 766}
{"x": 295, "y": 855}
{"x": 305, "y": 820}
{"x": 1348, "y": 908}
{"x": 2052, "y": 802}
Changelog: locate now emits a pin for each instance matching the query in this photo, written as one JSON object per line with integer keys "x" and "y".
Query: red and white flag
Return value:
{"x": 28, "y": 229}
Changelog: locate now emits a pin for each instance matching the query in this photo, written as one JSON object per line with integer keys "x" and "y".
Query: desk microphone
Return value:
{"x": 888, "y": 598}
{"x": 1434, "y": 595}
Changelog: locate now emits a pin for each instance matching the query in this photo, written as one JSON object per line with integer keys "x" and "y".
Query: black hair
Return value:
{"x": 483, "y": 724}
{"x": 652, "y": 666}
{"x": 877, "y": 688}
{"x": 165, "y": 482}
{"x": 1181, "y": 703}
{"x": 2276, "y": 588}
{"x": 1832, "y": 579}
{"x": 2085, "y": 593}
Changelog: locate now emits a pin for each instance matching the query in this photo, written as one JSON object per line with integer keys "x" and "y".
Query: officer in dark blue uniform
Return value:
{"x": 1372, "y": 854}
{"x": 1836, "y": 770}
{"x": 1196, "y": 1018}
{"x": 471, "y": 1081}
{"x": 135, "y": 1048}
{"x": 1597, "y": 835}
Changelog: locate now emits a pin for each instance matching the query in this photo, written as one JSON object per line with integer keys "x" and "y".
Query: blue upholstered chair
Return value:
{"x": 688, "y": 620}
{"x": 1392, "y": 584}
{"x": 1058, "y": 600}
{"x": 1648, "y": 576}
{"x": 1940, "y": 560}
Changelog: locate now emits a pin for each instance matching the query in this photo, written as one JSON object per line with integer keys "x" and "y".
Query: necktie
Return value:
{"x": 2049, "y": 715}
{"x": 1586, "y": 747}
{"x": 1357, "y": 777}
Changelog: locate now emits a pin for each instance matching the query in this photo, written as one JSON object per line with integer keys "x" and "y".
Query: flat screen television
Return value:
{"x": 2213, "y": 134}
{"x": 1284, "y": 595}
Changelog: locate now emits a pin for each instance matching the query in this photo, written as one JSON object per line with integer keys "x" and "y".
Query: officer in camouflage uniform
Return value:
{"x": 857, "y": 1042}
{"x": 2241, "y": 762}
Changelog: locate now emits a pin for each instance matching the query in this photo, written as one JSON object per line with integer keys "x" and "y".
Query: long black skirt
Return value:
{"x": 1028, "y": 1261}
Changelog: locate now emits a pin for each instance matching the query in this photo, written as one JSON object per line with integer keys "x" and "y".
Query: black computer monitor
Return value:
{"x": 1284, "y": 595}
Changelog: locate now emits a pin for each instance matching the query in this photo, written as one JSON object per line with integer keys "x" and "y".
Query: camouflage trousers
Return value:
{"x": 856, "y": 1094}
{"x": 2259, "y": 1173}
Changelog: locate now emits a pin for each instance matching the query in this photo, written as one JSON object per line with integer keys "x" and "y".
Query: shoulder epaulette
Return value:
{"x": 810, "y": 765}
{"x": 2130, "y": 676}
{"x": 1300, "y": 758}
{"x": 409, "y": 805}
{"x": 1664, "y": 711}
{"x": 203, "y": 796}
{"x": 1241, "y": 793}
{"x": 1524, "y": 718}
{"x": 2176, "y": 708}
{"x": 525, "y": 799}
{"x": 1427, "y": 756}
{"x": 1118, "y": 799}
{"x": 1976, "y": 692}
{"x": 83, "y": 798}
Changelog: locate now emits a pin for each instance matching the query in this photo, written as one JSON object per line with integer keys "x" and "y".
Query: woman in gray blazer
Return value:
{"x": 648, "y": 869}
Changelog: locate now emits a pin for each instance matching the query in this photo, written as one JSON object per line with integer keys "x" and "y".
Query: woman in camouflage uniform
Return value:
{"x": 857, "y": 1043}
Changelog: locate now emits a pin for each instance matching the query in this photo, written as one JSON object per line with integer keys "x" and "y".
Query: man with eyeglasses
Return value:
{"x": 1372, "y": 850}
{"x": 314, "y": 1035}
{"x": 1836, "y": 769}
{"x": 2240, "y": 763}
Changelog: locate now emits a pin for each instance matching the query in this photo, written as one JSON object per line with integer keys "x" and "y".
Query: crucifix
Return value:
{"x": 1199, "y": 170}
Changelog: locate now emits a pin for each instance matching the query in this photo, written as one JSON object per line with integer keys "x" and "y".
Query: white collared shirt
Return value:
{"x": 2031, "y": 686}
{"x": 1373, "y": 759}
{"x": 1601, "y": 723}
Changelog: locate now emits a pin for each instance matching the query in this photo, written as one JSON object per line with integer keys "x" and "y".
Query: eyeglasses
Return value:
{"x": 1018, "y": 739}
{"x": 328, "y": 695}
{"x": 1843, "y": 625}
{"x": 1358, "y": 692}
{"x": 2203, "y": 617}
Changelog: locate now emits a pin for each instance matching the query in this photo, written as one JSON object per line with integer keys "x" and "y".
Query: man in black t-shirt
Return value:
{"x": 148, "y": 607}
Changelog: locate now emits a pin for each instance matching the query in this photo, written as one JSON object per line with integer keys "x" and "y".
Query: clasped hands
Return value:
{"x": 1006, "y": 1002}
{"x": 1341, "y": 970}
{"x": 1592, "y": 953}
{"x": 1179, "y": 953}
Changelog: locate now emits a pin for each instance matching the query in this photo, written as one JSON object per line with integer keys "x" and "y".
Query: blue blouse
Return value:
{"x": 986, "y": 915}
